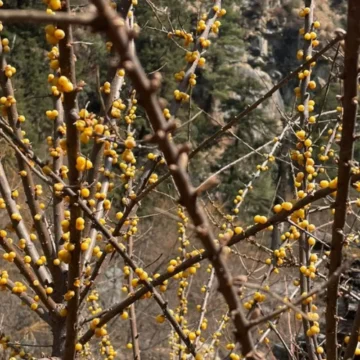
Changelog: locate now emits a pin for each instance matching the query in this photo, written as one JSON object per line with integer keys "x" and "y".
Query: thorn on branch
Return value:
{"x": 341, "y": 33}
{"x": 173, "y": 168}
{"x": 74, "y": 114}
{"x": 153, "y": 139}
{"x": 234, "y": 313}
{"x": 155, "y": 81}
{"x": 183, "y": 160}
{"x": 202, "y": 230}
{"x": 240, "y": 280}
{"x": 129, "y": 66}
{"x": 160, "y": 134}
{"x": 185, "y": 147}
{"x": 255, "y": 355}
{"x": 208, "y": 184}
{"x": 171, "y": 126}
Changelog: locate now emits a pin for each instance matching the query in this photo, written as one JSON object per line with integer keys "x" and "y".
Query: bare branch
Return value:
{"x": 350, "y": 103}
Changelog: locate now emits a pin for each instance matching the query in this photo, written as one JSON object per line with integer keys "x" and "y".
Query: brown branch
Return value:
{"x": 282, "y": 340}
{"x": 118, "y": 34}
{"x": 38, "y": 17}
{"x": 67, "y": 66}
{"x": 58, "y": 205}
{"x": 350, "y": 102}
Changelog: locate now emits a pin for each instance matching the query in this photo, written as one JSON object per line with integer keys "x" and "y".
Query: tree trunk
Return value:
{"x": 59, "y": 335}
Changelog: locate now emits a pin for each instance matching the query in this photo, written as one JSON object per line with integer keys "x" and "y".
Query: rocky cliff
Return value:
{"x": 272, "y": 36}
